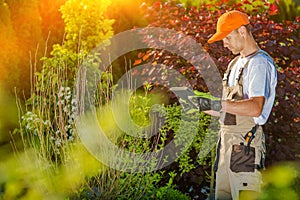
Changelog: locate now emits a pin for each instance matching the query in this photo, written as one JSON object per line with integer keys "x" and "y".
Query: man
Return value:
{"x": 248, "y": 96}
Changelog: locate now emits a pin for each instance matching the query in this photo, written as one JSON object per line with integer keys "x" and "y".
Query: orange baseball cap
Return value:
{"x": 228, "y": 22}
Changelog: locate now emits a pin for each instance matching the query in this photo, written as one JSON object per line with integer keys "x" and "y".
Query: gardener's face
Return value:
{"x": 234, "y": 42}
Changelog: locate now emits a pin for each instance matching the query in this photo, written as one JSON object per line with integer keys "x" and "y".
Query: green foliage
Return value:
{"x": 127, "y": 14}
{"x": 168, "y": 193}
{"x": 20, "y": 39}
{"x": 113, "y": 184}
{"x": 26, "y": 23}
{"x": 8, "y": 41}
{"x": 52, "y": 24}
{"x": 8, "y": 120}
{"x": 86, "y": 26}
{"x": 139, "y": 110}
{"x": 250, "y": 6}
{"x": 204, "y": 140}
{"x": 30, "y": 176}
{"x": 205, "y": 95}
{"x": 170, "y": 121}
{"x": 173, "y": 122}
{"x": 49, "y": 118}
{"x": 281, "y": 182}
{"x": 286, "y": 10}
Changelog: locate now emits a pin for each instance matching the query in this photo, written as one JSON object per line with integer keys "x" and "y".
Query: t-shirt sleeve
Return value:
{"x": 259, "y": 75}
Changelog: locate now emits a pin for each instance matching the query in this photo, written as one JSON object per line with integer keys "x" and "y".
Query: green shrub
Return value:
{"x": 281, "y": 181}
{"x": 169, "y": 193}
{"x": 285, "y": 10}
{"x": 48, "y": 121}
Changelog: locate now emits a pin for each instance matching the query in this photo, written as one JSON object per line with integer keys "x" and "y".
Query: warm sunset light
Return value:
{"x": 149, "y": 99}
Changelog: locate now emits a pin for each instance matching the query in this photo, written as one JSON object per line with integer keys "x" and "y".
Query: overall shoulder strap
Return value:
{"x": 239, "y": 78}
{"x": 227, "y": 72}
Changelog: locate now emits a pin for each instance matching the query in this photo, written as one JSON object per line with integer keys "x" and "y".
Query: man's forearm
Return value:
{"x": 248, "y": 107}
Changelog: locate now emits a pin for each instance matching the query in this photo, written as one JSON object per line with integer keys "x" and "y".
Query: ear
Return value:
{"x": 242, "y": 31}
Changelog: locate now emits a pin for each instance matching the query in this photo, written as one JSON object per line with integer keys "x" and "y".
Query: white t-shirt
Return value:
{"x": 259, "y": 79}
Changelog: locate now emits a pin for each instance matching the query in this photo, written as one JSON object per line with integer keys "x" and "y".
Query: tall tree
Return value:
{"x": 52, "y": 24}
{"x": 8, "y": 52}
{"x": 26, "y": 23}
{"x": 8, "y": 74}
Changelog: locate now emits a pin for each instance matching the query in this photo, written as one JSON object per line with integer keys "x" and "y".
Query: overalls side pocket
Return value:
{"x": 240, "y": 160}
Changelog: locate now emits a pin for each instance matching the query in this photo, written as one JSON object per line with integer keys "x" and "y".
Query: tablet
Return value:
{"x": 185, "y": 93}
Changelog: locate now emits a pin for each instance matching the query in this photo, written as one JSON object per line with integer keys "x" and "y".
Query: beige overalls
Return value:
{"x": 237, "y": 168}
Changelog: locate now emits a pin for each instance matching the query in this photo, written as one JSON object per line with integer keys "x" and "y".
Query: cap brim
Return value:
{"x": 218, "y": 36}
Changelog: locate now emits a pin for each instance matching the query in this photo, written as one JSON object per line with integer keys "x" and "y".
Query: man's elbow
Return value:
{"x": 258, "y": 106}
{"x": 256, "y": 114}
{"x": 257, "y": 111}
